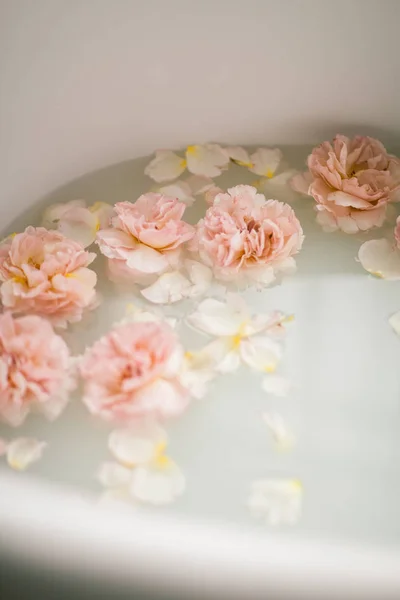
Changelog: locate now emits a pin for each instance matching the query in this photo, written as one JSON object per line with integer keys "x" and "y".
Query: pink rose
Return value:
{"x": 352, "y": 182}
{"x": 34, "y": 369}
{"x": 397, "y": 232}
{"x": 242, "y": 234}
{"x": 147, "y": 236}
{"x": 45, "y": 273}
{"x": 133, "y": 372}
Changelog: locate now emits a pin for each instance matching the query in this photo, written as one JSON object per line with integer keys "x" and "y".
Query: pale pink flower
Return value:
{"x": 133, "y": 372}
{"x": 397, "y": 232}
{"x": 146, "y": 236}
{"x": 243, "y": 235}
{"x": 352, "y": 181}
{"x": 34, "y": 369}
{"x": 45, "y": 273}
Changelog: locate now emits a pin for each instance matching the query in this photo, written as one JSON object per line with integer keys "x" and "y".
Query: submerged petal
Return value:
{"x": 166, "y": 166}
{"x": 380, "y": 258}
{"x": 22, "y": 452}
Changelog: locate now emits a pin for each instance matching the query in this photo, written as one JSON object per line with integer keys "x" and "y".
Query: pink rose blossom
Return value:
{"x": 133, "y": 372}
{"x": 352, "y": 182}
{"x": 146, "y": 236}
{"x": 242, "y": 234}
{"x": 34, "y": 369}
{"x": 45, "y": 273}
{"x": 397, "y": 232}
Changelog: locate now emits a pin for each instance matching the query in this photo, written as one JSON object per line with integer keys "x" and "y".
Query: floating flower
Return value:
{"x": 278, "y": 501}
{"x": 352, "y": 181}
{"x": 146, "y": 237}
{"x": 132, "y": 372}
{"x": 175, "y": 286}
{"x": 143, "y": 469}
{"x": 78, "y": 222}
{"x": 242, "y": 337}
{"x": 45, "y": 273}
{"x": 208, "y": 160}
{"x": 382, "y": 258}
{"x": 34, "y": 369}
{"x": 22, "y": 452}
{"x": 243, "y": 237}
{"x": 282, "y": 436}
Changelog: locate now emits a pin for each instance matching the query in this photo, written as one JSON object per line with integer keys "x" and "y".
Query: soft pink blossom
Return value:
{"x": 397, "y": 232}
{"x": 352, "y": 182}
{"x": 45, "y": 273}
{"x": 146, "y": 236}
{"x": 242, "y": 234}
{"x": 34, "y": 368}
{"x": 133, "y": 372}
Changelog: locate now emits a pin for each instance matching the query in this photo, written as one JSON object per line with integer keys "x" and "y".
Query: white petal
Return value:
{"x": 261, "y": 353}
{"x": 166, "y": 166}
{"x": 277, "y": 500}
{"x": 169, "y": 288}
{"x": 283, "y": 438}
{"x": 136, "y": 444}
{"x": 199, "y": 184}
{"x": 380, "y": 258}
{"x": 54, "y": 407}
{"x": 394, "y": 321}
{"x": 147, "y": 260}
{"x": 54, "y": 213}
{"x": 221, "y": 355}
{"x": 239, "y": 155}
{"x": 174, "y": 363}
{"x": 157, "y": 485}
{"x": 22, "y": 452}
{"x": 211, "y": 194}
{"x": 3, "y": 446}
{"x": 83, "y": 233}
{"x": 113, "y": 475}
{"x": 265, "y": 161}
{"x": 301, "y": 182}
{"x": 208, "y": 160}
{"x": 180, "y": 190}
{"x": 198, "y": 370}
{"x": 200, "y": 275}
{"x": 276, "y": 385}
{"x": 217, "y": 318}
{"x": 327, "y": 221}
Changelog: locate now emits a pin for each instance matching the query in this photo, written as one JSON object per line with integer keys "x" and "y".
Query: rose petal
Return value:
{"x": 169, "y": 288}
{"x": 301, "y": 183}
{"x": 276, "y": 500}
{"x": 166, "y": 166}
{"x": 261, "y": 353}
{"x": 327, "y": 221}
{"x": 200, "y": 275}
{"x": 208, "y": 160}
{"x": 180, "y": 190}
{"x": 22, "y": 452}
{"x": 217, "y": 318}
{"x": 157, "y": 485}
{"x": 113, "y": 475}
{"x": 380, "y": 258}
{"x": 265, "y": 161}
{"x": 137, "y": 444}
{"x": 394, "y": 322}
{"x": 199, "y": 184}
{"x": 276, "y": 385}
{"x": 147, "y": 260}
{"x": 239, "y": 155}
{"x": 283, "y": 438}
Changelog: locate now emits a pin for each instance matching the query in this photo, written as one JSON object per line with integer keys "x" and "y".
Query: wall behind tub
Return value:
{"x": 85, "y": 83}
